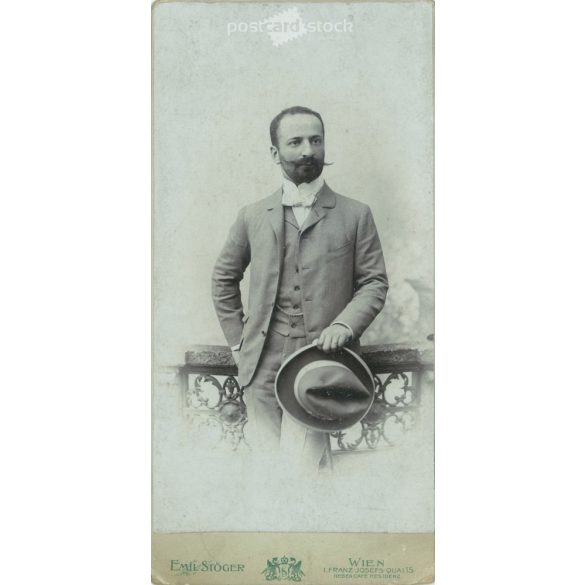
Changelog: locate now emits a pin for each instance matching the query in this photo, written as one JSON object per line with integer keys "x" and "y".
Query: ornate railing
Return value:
{"x": 212, "y": 398}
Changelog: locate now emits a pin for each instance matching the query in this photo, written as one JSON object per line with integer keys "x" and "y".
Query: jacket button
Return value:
{"x": 264, "y": 333}
{"x": 293, "y": 325}
{"x": 297, "y": 287}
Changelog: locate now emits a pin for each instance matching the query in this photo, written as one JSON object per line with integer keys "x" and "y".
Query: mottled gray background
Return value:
{"x": 214, "y": 97}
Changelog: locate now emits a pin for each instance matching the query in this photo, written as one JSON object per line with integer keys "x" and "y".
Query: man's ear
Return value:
{"x": 274, "y": 154}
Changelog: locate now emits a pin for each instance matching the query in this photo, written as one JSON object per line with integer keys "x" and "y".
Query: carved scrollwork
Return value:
{"x": 397, "y": 391}
{"x": 217, "y": 406}
{"x": 391, "y": 415}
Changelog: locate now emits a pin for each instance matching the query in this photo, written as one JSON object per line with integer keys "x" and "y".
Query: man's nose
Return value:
{"x": 307, "y": 148}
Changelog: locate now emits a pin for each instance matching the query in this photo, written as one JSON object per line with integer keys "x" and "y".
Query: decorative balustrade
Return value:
{"x": 212, "y": 398}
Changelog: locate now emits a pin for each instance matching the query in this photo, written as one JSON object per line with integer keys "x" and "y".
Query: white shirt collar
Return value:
{"x": 302, "y": 194}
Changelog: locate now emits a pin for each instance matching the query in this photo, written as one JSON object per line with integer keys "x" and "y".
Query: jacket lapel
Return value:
{"x": 276, "y": 217}
{"x": 325, "y": 201}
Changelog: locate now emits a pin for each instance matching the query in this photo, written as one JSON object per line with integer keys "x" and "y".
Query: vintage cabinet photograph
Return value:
{"x": 293, "y": 292}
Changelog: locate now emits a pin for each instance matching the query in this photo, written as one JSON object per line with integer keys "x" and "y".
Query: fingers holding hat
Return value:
{"x": 333, "y": 338}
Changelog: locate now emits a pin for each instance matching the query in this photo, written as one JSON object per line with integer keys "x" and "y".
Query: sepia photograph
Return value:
{"x": 286, "y": 273}
{"x": 293, "y": 287}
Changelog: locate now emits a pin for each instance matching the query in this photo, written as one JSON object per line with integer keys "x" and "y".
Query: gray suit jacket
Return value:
{"x": 341, "y": 263}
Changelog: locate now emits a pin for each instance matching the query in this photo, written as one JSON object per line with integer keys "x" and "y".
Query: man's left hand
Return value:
{"x": 333, "y": 338}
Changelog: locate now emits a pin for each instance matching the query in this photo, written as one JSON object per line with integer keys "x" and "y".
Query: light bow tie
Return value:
{"x": 298, "y": 199}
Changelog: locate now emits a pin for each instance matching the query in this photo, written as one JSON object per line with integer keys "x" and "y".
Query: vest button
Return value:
{"x": 295, "y": 306}
{"x": 293, "y": 325}
{"x": 297, "y": 287}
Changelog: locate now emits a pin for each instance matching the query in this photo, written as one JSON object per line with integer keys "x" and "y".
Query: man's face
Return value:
{"x": 301, "y": 147}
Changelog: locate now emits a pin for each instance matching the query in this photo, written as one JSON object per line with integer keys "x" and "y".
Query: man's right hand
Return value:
{"x": 236, "y": 356}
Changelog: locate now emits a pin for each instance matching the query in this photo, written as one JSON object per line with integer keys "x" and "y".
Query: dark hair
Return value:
{"x": 274, "y": 125}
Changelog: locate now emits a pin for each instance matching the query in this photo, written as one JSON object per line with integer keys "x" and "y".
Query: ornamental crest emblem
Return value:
{"x": 283, "y": 569}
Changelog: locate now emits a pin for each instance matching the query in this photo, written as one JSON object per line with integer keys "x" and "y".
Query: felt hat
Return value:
{"x": 325, "y": 392}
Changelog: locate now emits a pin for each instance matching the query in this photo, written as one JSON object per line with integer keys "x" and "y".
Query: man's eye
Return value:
{"x": 294, "y": 142}
{"x": 316, "y": 141}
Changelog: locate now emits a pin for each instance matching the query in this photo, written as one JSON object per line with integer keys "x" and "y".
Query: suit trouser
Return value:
{"x": 268, "y": 430}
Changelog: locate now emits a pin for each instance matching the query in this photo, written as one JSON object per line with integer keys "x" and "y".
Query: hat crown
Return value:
{"x": 329, "y": 390}
{"x": 325, "y": 392}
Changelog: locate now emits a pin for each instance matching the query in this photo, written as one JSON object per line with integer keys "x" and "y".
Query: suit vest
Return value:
{"x": 287, "y": 318}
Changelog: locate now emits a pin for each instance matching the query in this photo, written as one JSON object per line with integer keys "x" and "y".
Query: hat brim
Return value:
{"x": 285, "y": 379}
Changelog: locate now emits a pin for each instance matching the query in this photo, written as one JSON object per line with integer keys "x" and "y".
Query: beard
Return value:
{"x": 303, "y": 170}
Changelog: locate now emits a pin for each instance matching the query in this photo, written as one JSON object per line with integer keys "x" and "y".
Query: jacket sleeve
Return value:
{"x": 370, "y": 278}
{"x": 225, "y": 282}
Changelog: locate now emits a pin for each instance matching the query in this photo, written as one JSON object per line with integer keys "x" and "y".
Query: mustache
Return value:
{"x": 311, "y": 162}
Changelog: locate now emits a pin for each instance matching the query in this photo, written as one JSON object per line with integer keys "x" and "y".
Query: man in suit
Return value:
{"x": 317, "y": 275}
